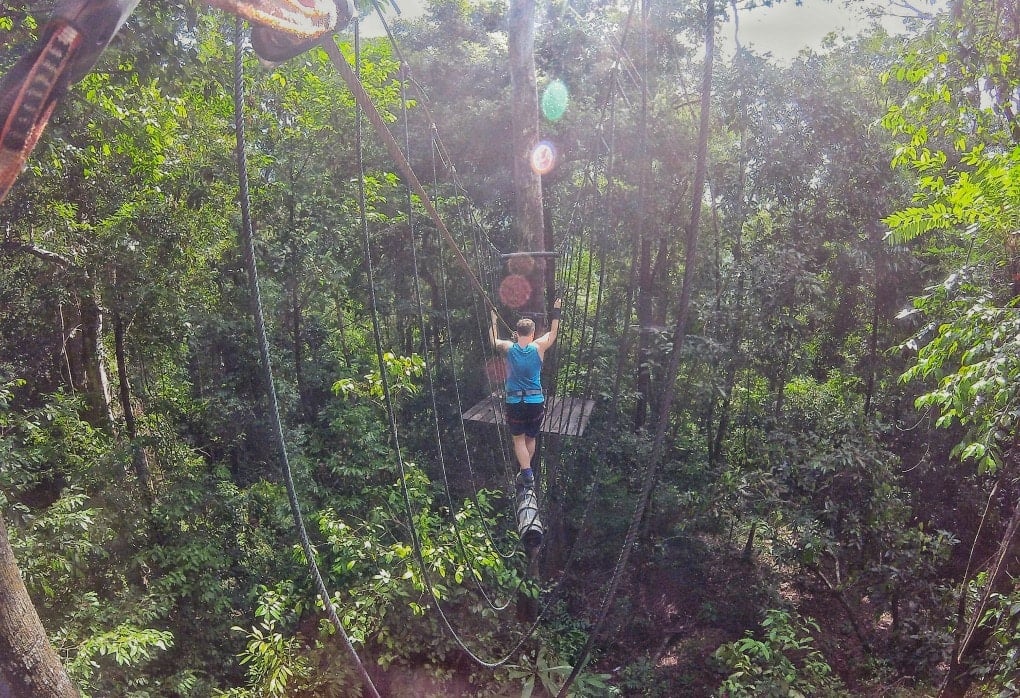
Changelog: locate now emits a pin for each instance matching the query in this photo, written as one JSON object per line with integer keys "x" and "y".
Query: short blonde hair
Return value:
{"x": 525, "y": 327}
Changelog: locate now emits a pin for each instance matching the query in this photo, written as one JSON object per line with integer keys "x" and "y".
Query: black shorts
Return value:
{"x": 524, "y": 418}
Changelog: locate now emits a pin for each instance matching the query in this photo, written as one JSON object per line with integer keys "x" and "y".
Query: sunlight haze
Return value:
{"x": 784, "y": 29}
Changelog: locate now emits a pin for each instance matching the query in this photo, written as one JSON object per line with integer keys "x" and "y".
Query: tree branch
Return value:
{"x": 45, "y": 255}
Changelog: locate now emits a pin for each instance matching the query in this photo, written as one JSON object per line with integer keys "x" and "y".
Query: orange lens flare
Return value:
{"x": 543, "y": 158}
{"x": 514, "y": 291}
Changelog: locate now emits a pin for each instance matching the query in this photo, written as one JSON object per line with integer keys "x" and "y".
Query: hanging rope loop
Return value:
{"x": 258, "y": 316}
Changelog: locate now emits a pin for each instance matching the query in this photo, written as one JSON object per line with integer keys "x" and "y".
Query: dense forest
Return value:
{"x": 238, "y": 338}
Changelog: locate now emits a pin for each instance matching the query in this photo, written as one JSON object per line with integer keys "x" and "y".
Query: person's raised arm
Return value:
{"x": 497, "y": 343}
{"x": 547, "y": 340}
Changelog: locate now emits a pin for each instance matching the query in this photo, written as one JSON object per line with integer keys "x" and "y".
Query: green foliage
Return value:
{"x": 61, "y": 539}
{"x": 958, "y": 135}
{"x": 967, "y": 188}
{"x": 71, "y": 544}
{"x": 544, "y": 671}
{"x": 401, "y": 374}
{"x": 973, "y": 362}
{"x": 1002, "y": 671}
{"x": 783, "y": 663}
{"x": 833, "y": 510}
{"x": 455, "y": 553}
{"x": 382, "y": 596}
{"x": 133, "y": 185}
{"x": 830, "y": 493}
{"x": 126, "y": 645}
{"x": 273, "y": 660}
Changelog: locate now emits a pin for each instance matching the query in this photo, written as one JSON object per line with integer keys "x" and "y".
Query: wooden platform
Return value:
{"x": 563, "y": 415}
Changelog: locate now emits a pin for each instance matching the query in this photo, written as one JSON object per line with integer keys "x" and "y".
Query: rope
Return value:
{"x": 553, "y": 594}
{"x": 456, "y": 389}
{"x": 429, "y": 364}
{"x": 366, "y": 104}
{"x": 639, "y": 509}
{"x": 413, "y": 184}
{"x": 484, "y": 330}
{"x": 258, "y": 316}
{"x": 662, "y": 427}
{"x": 391, "y": 413}
{"x": 579, "y": 348}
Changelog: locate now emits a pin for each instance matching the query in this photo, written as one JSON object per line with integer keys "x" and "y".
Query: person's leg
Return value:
{"x": 522, "y": 451}
{"x": 525, "y": 476}
{"x": 535, "y": 413}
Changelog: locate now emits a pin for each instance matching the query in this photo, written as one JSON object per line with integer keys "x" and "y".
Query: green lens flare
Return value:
{"x": 554, "y": 100}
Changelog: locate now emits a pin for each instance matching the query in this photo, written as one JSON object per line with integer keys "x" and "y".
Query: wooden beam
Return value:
{"x": 568, "y": 416}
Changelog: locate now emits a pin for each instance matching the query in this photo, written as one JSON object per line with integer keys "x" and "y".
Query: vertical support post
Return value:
{"x": 528, "y": 216}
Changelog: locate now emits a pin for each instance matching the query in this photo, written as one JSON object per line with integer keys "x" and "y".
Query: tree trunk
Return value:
{"x": 692, "y": 235}
{"x": 732, "y": 359}
{"x": 98, "y": 392}
{"x": 872, "y": 360}
{"x": 138, "y": 456}
{"x": 97, "y": 383}
{"x": 296, "y": 341}
{"x": 292, "y": 270}
{"x": 28, "y": 664}
{"x": 736, "y": 322}
{"x": 644, "y": 318}
{"x": 749, "y": 543}
{"x": 528, "y": 209}
{"x": 645, "y": 283}
{"x": 341, "y": 328}
{"x": 549, "y": 243}
{"x": 524, "y": 123}
{"x": 625, "y": 322}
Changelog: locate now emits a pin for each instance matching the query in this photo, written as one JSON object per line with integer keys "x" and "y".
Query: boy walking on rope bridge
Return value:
{"x": 525, "y": 401}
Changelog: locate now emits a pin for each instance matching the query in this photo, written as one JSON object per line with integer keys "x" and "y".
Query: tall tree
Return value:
{"x": 27, "y": 660}
{"x": 527, "y": 182}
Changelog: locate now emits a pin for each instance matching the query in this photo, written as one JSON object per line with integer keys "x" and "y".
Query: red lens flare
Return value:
{"x": 514, "y": 291}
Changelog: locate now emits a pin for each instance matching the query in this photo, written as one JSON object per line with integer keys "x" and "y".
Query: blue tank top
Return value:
{"x": 524, "y": 377}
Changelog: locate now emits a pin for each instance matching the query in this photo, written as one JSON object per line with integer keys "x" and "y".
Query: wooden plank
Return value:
{"x": 567, "y": 415}
{"x": 488, "y": 411}
{"x": 563, "y": 415}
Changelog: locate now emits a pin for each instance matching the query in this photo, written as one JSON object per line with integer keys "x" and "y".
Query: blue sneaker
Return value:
{"x": 526, "y": 478}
